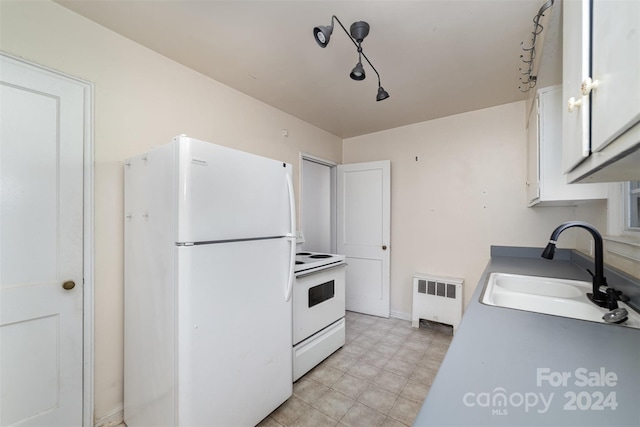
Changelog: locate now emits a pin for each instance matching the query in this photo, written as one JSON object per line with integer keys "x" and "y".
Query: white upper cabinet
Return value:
{"x": 533, "y": 155}
{"x": 601, "y": 67}
{"x": 546, "y": 183}
{"x": 576, "y": 35}
{"x": 615, "y": 70}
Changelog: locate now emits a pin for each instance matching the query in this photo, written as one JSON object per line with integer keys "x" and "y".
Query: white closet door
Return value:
{"x": 41, "y": 229}
{"x": 364, "y": 211}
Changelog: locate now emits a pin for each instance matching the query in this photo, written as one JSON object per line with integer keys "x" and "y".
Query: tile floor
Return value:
{"x": 379, "y": 378}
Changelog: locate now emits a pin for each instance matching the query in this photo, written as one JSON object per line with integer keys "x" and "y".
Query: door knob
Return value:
{"x": 68, "y": 285}
{"x": 384, "y": 247}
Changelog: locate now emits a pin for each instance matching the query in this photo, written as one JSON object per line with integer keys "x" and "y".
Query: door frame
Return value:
{"x": 333, "y": 166}
{"x": 88, "y": 250}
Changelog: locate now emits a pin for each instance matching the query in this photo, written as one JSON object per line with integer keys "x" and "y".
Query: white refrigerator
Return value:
{"x": 209, "y": 258}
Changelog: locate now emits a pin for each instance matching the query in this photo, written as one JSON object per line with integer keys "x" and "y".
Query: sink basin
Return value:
{"x": 558, "y": 297}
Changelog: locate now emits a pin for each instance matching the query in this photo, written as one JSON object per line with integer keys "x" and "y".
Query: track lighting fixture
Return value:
{"x": 359, "y": 30}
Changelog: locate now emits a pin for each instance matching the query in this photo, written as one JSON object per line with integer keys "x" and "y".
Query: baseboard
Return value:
{"x": 112, "y": 418}
{"x": 400, "y": 315}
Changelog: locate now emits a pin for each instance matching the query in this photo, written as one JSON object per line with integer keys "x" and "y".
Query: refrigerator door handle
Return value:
{"x": 291, "y": 237}
{"x": 287, "y": 295}
{"x": 292, "y": 206}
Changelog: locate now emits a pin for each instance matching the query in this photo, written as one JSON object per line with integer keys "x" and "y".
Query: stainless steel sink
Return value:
{"x": 558, "y": 297}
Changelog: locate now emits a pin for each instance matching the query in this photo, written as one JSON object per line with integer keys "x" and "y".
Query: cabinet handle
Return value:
{"x": 588, "y": 85}
{"x": 573, "y": 103}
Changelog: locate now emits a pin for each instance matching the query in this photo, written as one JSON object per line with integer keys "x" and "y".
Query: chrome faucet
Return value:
{"x": 598, "y": 297}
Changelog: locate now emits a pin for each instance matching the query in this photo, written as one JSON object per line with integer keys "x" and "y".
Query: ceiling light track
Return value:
{"x": 359, "y": 30}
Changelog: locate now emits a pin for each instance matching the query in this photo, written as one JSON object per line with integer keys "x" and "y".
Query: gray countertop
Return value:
{"x": 509, "y": 367}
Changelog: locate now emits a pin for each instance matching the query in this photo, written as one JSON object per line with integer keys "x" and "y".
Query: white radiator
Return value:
{"x": 438, "y": 299}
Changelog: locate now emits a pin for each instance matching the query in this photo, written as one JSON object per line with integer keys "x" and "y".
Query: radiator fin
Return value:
{"x": 422, "y": 286}
{"x": 451, "y": 291}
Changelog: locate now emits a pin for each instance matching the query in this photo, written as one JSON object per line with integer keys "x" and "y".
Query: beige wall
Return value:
{"x": 141, "y": 99}
{"x": 464, "y": 193}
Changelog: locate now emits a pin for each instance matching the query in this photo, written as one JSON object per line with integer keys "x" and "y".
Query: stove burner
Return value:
{"x": 315, "y": 261}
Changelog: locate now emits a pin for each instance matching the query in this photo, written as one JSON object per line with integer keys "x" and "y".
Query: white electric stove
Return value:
{"x": 318, "y": 309}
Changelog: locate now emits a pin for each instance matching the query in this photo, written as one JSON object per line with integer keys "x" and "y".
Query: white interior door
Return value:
{"x": 41, "y": 230}
{"x": 364, "y": 212}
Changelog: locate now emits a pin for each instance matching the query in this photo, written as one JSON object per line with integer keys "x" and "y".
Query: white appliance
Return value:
{"x": 318, "y": 309}
{"x": 209, "y": 258}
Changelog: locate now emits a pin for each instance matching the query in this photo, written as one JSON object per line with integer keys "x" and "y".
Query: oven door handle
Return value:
{"x": 330, "y": 267}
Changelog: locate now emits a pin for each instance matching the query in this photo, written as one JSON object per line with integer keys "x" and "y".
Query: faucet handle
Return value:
{"x": 619, "y": 295}
{"x": 612, "y": 298}
{"x": 591, "y": 273}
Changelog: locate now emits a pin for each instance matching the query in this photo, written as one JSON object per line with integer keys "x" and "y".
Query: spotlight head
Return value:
{"x": 358, "y": 72}
{"x": 359, "y": 30}
{"x": 322, "y": 35}
{"x": 382, "y": 94}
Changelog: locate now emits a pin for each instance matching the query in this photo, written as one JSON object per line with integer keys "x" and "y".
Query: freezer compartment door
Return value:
{"x": 226, "y": 194}
{"x": 235, "y": 361}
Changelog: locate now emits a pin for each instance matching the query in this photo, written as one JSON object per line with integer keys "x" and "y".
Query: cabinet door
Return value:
{"x": 554, "y": 189}
{"x": 533, "y": 155}
{"x": 616, "y": 68}
{"x": 575, "y": 68}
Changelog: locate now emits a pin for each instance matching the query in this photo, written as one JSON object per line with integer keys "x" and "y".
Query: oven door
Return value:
{"x": 318, "y": 300}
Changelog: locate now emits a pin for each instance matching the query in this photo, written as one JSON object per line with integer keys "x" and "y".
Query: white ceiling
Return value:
{"x": 435, "y": 57}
